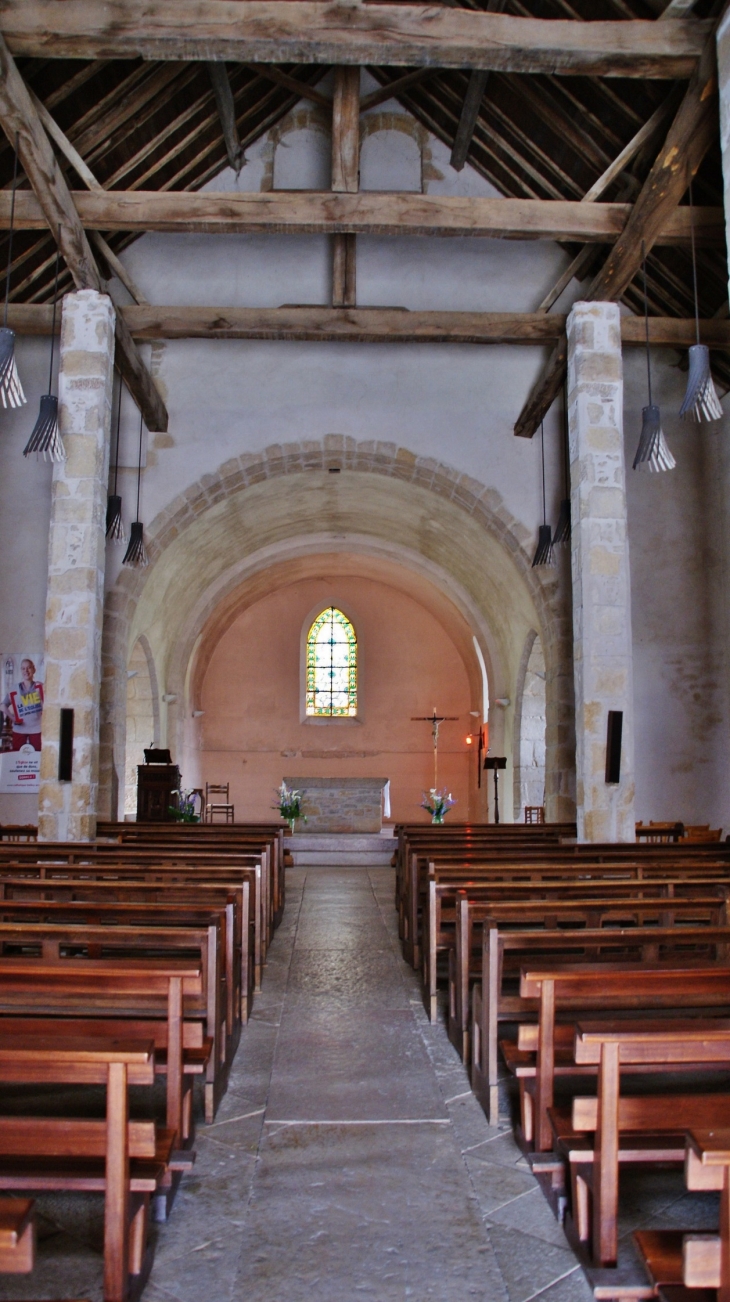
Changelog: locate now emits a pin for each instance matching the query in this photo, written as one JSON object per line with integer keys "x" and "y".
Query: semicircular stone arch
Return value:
{"x": 258, "y": 509}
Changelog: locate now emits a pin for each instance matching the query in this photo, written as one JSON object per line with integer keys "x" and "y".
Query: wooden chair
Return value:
{"x": 213, "y": 807}
{"x": 534, "y": 813}
{"x": 702, "y": 833}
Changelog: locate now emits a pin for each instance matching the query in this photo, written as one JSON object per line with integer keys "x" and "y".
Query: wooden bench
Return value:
{"x": 115, "y": 988}
{"x": 122, "y": 1159}
{"x": 585, "y": 905}
{"x": 561, "y": 869}
{"x": 147, "y": 905}
{"x": 491, "y": 1004}
{"x": 691, "y": 1266}
{"x": 172, "y": 876}
{"x": 609, "y": 990}
{"x": 635, "y": 1128}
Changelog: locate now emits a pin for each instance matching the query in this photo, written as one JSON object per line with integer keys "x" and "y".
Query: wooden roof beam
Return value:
{"x": 329, "y": 32}
{"x": 226, "y": 107}
{"x": 373, "y": 325}
{"x": 690, "y": 136}
{"x": 19, "y": 119}
{"x": 472, "y": 103}
{"x": 309, "y": 212}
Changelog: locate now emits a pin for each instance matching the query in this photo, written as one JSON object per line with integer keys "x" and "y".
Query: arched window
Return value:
{"x": 331, "y": 665}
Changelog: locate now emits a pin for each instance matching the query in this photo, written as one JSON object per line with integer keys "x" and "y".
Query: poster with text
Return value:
{"x": 21, "y": 719}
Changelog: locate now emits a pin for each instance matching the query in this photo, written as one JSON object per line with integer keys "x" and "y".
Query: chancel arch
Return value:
{"x": 258, "y": 512}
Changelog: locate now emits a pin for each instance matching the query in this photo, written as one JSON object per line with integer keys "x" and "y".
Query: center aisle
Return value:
{"x": 349, "y": 1157}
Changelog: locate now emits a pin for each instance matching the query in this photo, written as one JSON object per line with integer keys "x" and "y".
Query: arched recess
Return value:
{"x": 260, "y": 510}
{"x": 530, "y": 719}
{"x": 142, "y": 717}
{"x": 258, "y": 723}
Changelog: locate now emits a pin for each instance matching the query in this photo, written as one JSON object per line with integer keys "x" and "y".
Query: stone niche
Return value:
{"x": 340, "y": 804}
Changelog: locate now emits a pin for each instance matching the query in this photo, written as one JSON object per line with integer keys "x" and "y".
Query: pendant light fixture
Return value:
{"x": 652, "y": 452}
{"x": 544, "y": 554}
{"x": 45, "y": 441}
{"x": 562, "y": 528}
{"x": 135, "y": 553}
{"x": 701, "y": 402}
{"x": 114, "y": 522}
{"x": 11, "y": 390}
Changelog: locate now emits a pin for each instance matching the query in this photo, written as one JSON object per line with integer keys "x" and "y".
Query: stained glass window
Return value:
{"x": 332, "y": 665}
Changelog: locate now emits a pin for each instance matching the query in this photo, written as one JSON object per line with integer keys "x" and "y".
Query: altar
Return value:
{"x": 342, "y": 804}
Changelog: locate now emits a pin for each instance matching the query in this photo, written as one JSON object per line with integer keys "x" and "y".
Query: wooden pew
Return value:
{"x": 17, "y": 1236}
{"x": 492, "y": 1005}
{"x": 146, "y": 867}
{"x": 118, "y": 988}
{"x": 653, "y": 1124}
{"x": 609, "y": 990}
{"x": 200, "y": 946}
{"x": 143, "y": 903}
{"x": 124, "y": 1160}
{"x": 694, "y": 1267}
{"x": 457, "y": 915}
{"x": 564, "y": 866}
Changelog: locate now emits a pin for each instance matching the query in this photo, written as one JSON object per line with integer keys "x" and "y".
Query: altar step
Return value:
{"x": 340, "y": 849}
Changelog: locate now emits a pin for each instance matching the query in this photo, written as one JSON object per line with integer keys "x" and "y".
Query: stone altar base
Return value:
{"x": 340, "y": 804}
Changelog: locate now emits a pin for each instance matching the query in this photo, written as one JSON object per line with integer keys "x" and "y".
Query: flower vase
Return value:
{"x": 292, "y": 824}
{"x": 437, "y": 819}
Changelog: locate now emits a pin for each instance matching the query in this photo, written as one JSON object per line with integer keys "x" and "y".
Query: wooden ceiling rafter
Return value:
{"x": 688, "y": 140}
{"x": 21, "y": 124}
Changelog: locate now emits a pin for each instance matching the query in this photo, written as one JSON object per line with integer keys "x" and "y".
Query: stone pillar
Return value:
{"x": 74, "y": 603}
{"x": 602, "y": 647}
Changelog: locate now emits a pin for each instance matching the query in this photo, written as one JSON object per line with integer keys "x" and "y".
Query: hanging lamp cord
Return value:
{"x": 646, "y": 322}
{"x": 542, "y": 440}
{"x": 55, "y": 299}
{"x": 694, "y": 260}
{"x": 10, "y": 237}
{"x": 119, "y": 424}
{"x": 139, "y": 464}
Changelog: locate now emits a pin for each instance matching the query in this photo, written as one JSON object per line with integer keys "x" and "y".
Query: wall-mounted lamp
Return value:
{"x": 132, "y": 673}
{"x": 169, "y": 697}
{"x": 198, "y": 713}
{"x": 469, "y": 740}
{"x": 504, "y": 701}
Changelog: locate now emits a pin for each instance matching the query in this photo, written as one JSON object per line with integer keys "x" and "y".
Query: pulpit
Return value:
{"x": 156, "y": 782}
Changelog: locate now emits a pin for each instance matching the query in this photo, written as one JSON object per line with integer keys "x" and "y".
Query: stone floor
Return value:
{"x": 349, "y": 1158}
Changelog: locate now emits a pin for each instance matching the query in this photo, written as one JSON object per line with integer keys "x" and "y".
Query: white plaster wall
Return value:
{"x": 25, "y": 511}
{"x": 455, "y": 403}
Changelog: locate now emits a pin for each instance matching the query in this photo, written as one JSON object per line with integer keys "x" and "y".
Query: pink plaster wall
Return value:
{"x": 252, "y": 733}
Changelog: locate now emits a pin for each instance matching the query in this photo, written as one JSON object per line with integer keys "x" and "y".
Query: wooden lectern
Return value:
{"x": 156, "y": 781}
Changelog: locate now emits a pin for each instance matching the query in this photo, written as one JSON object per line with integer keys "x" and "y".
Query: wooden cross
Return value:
{"x": 435, "y": 720}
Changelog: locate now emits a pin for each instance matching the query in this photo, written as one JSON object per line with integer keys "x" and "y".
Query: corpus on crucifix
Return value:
{"x": 435, "y": 720}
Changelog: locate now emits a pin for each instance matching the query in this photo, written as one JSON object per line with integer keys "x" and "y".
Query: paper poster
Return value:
{"x": 21, "y": 716}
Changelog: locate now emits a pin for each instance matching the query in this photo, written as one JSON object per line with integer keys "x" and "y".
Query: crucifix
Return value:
{"x": 435, "y": 720}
